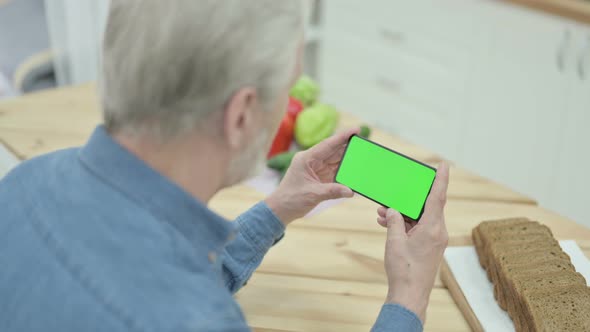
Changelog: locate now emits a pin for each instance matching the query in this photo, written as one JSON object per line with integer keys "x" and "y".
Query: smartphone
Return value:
{"x": 385, "y": 176}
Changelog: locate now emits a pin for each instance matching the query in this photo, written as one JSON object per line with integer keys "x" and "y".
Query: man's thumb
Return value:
{"x": 395, "y": 224}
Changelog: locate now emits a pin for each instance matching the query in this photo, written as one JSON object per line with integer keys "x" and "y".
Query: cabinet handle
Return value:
{"x": 582, "y": 70}
{"x": 388, "y": 84}
{"x": 394, "y": 37}
{"x": 562, "y": 49}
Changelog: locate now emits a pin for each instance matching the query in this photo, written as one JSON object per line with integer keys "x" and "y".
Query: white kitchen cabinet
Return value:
{"x": 518, "y": 100}
{"x": 404, "y": 72}
{"x": 570, "y": 189}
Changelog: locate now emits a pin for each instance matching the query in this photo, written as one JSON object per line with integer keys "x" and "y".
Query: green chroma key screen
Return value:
{"x": 385, "y": 176}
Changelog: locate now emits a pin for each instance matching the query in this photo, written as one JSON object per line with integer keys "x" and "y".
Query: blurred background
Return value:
{"x": 500, "y": 87}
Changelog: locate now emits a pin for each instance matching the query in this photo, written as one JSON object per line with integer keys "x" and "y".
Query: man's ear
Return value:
{"x": 238, "y": 116}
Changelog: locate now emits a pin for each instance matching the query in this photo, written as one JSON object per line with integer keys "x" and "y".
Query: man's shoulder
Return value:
{"x": 57, "y": 183}
{"x": 52, "y": 186}
{"x": 34, "y": 180}
{"x": 39, "y": 169}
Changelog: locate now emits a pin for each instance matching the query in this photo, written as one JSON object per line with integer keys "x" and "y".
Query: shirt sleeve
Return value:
{"x": 258, "y": 229}
{"x": 394, "y": 317}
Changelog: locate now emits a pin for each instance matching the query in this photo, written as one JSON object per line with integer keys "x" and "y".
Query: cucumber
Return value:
{"x": 365, "y": 131}
{"x": 281, "y": 161}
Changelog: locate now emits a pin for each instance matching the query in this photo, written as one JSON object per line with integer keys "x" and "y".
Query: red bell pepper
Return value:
{"x": 294, "y": 108}
{"x": 284, "y": 136}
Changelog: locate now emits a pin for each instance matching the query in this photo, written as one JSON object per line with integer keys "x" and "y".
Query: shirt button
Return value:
{"x": 212, "y": 257}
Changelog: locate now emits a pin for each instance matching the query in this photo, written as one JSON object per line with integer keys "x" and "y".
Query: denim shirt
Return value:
{"x": 93, "y": 239}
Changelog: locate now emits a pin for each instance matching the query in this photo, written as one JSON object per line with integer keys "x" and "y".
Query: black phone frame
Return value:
{"x": 398, "y": 153}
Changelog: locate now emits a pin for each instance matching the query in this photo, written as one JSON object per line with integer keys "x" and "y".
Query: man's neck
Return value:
{"x": 193, "y": 163}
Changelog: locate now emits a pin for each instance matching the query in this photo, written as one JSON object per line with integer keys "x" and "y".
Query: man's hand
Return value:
{"x": 413, "y": 251}
{"x": 309, "y": 179}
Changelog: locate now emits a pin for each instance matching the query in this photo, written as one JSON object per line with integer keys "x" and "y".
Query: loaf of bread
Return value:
{"x": 534, "y": 280}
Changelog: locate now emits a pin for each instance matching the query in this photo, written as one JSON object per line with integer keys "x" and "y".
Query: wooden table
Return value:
{"x": 327, "y": 273}
{"x": 578, "y": 10}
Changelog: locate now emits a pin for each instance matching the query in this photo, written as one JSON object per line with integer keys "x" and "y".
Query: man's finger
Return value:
{"x": 333, "y": 191}
{"x": 408, "y": 227}
{"x": 396, "y": 226}
{"x": 331, "y": 144}
{"x": 382, "y": 211}
{"x": 409, "y": 220}
{"x": 438, "y": 194}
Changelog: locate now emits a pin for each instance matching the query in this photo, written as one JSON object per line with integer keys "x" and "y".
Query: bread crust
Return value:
{"x": 531, "y": 274}
{"x": 484, "y": 228}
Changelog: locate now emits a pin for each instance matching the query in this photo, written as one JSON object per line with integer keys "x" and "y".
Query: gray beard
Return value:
{"x": 249, "y": 163}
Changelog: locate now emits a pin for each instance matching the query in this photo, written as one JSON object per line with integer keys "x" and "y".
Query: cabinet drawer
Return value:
{"x": 422, "y": 122}
{"x": 414, "y": 80}
{"x": 406, "y": 96}
{"x": 383, "y": 97}
{"x": 443, "y": 22}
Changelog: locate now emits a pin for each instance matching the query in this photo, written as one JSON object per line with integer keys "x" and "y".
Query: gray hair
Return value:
{"x": 167, "y": 65}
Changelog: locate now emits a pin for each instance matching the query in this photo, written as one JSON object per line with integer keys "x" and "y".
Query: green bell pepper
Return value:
{"x": 305, "y": 90}
{"x": 315, "y": 124}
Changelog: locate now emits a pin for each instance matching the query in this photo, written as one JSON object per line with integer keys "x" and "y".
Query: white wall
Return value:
{"x": 75, "y": 32}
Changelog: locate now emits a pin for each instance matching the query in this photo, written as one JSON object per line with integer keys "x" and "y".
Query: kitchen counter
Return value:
{"x": 578, "y": 10}
{"x": 327, "y": 273}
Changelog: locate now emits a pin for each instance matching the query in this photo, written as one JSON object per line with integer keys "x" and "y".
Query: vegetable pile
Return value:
{"x": 306, "y": 122}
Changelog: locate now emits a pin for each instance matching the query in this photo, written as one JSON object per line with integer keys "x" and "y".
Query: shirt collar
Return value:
{"x": 122, "y": 170}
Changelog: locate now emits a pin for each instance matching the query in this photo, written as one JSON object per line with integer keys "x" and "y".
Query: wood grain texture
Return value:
{"x": 315, "y": 304}
{"x": 340, "y": 254}
{"x": 330, "y": 254}
{"x": 359, "y": 215}
{"x": 50, "y": 120}
{"x": 578, "y": 10}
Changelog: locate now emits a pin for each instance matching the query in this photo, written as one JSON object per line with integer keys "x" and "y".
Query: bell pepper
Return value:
{"x": 294, "y": 108}
{"x": 305, "y": 90}
{"x": 283, "y": 137}
{"x": 315, "y": 124}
